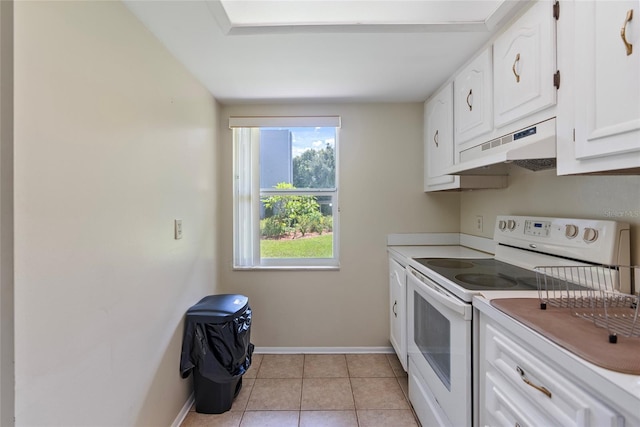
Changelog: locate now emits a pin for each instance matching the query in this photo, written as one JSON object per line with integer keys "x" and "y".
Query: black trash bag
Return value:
{"x": 221, "y": 352}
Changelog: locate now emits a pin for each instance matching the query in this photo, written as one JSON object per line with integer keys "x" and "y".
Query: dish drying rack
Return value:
{"x": 593, "y": 293}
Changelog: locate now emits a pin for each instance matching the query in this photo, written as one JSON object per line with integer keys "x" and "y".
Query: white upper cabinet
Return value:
{"x": 524, "y": 65}
{"x": 599, "y": 106}
{"x": 473, "y": 99}
{"x": 438, "y": 141}
{"x": 439, "y": 149}
{"x": 607, "y": 73}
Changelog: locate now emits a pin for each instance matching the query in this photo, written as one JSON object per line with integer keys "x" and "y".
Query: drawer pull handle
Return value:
{"x": 435, "y": 138}
{"x": 623, "y": 32}
{"x": 528, "y": 382}
{"x": 468, "y": 96}
{"x": 395, "y": 313}
{"x": 515, "y": 73}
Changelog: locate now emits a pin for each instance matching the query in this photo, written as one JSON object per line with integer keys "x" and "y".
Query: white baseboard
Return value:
{"x": 184, "y": 411}
{"x": 322, "y": 350}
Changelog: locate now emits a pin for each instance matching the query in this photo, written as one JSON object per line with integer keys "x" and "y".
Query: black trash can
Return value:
{"x": 217, "y": 347}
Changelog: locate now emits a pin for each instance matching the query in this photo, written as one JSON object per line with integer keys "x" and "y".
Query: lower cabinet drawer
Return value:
{"x": 424, "y": 402}
{"x": 506, "y": 407}
{"x": 532, "y": 393}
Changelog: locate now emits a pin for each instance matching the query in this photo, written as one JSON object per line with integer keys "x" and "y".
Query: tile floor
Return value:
{"x": 318, "y": 390}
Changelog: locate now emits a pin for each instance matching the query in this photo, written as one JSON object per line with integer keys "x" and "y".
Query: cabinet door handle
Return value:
{"x": 513, "y": 68}
{"x": 468, "y": 96}
{"x": 623, "y": 32}
{"x": 395, "y": 313}
{"x": 528, "y": 382}
{"x": 435, "y": 138}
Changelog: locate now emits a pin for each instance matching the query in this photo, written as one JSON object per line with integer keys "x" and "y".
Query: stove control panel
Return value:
{"x": 537, "y": 228}
{"x": 597, "y": 241}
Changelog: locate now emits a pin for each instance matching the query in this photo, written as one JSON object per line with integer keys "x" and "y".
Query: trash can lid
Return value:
{"x": 217, "y": 308}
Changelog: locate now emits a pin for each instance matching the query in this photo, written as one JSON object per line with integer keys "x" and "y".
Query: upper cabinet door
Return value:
{"x": 607, "y": 73}
{"x": 524, "y": 65}
{"x": 473, "y": 99}
{"x": 438, "y": 141}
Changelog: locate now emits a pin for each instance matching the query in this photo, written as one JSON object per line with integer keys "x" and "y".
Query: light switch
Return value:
{"x": 177, "y": 225}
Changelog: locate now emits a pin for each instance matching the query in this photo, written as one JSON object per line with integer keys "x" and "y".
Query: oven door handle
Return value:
{"x": 442, "y": 296}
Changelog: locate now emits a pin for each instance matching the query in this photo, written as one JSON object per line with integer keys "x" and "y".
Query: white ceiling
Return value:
{"x": 321, "y": 50}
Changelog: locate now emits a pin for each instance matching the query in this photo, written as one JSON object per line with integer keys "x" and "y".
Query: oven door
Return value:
{"x": 439, "y": 347}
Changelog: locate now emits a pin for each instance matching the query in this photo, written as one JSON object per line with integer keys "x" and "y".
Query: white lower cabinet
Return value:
{"x": 520, "y": 387}
{"x": 397, "y": 310}
{"x": 504, "y": 407}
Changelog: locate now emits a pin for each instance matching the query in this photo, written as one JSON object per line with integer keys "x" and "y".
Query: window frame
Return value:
{"x": 247, "y": 193}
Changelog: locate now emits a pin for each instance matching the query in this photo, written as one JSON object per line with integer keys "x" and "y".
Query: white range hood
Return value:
{"x": 533, "y": 148}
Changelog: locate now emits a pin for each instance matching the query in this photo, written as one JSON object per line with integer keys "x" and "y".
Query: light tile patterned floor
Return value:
{"x": 318, "y": 390}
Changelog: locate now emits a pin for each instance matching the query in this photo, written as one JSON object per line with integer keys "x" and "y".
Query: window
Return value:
{"x": 285, "y": 191}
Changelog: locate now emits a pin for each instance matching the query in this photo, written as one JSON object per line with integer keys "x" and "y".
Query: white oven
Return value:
{"x": 439, "y": 350}
{"x": 440, "y": 292}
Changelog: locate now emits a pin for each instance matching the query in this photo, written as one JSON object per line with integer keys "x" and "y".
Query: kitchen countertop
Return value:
{"x": 403, "y": 247}
{"x": 438, "y": 251}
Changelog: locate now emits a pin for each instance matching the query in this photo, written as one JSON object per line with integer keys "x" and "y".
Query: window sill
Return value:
{"x": 289, "y": 268}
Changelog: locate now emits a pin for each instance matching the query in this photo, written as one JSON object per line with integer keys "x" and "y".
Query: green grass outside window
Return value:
{"x": 309, "y": 247}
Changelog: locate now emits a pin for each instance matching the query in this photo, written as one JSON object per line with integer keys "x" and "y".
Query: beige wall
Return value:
{"x": 6, "y": 215}
{"x": 545, "y": 194}
{"x": 380, "y": 169}
{"x": 113, "y": 140}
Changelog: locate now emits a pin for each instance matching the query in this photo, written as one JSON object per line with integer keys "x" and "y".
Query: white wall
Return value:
{"x": 380, "y": 186}
{"x": 113, "y": 140}
{"x": 6, "y": 215}
{"x": 546, "y": 194}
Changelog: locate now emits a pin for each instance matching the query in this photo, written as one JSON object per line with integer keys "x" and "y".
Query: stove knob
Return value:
{"x": 511, "y": 225}
{"x": 502, "y": 224}
{"x": 570, "y": 231}
{"x": 590, "y": 235}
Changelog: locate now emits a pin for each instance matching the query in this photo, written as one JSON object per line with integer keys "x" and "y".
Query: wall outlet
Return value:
{"x": 177, "y": 229}
{"x": 479, "y": 223}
